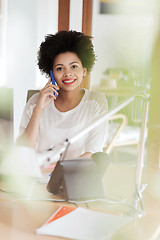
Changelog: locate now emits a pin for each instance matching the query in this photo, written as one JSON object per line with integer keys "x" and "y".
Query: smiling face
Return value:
{"x": 68, "y": 71}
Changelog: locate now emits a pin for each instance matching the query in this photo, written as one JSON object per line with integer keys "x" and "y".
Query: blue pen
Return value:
{"x": 53, "y": 81}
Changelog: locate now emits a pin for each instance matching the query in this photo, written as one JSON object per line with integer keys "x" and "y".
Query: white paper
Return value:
{"x": 84, "y": 224}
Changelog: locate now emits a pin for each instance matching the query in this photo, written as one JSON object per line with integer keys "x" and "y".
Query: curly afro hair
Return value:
{"x": 65, "y": 41}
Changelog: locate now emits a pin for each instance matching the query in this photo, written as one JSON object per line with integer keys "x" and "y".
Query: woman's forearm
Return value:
{"x": 86, "y": 155}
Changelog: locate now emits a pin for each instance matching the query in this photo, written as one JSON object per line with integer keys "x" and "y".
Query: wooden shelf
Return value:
{"x": 119, "y": 91}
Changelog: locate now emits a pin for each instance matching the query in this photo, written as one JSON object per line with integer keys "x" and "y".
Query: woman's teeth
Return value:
{"x": 68, "y": 81}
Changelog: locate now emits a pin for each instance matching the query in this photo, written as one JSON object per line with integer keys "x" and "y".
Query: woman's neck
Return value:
{"x": 68, "y": 100}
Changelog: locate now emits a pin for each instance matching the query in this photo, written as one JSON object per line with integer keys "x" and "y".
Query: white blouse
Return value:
{"x": 56, "y": 127}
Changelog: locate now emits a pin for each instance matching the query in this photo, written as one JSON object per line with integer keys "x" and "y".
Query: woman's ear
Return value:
{"x": 84, "y": 72}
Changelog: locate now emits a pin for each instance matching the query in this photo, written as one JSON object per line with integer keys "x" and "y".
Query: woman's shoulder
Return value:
{"x": 96, "y": 96}
{"x": 33, "y": 99}
{"x": 96, "y": 101}
{"x": 31, "y": 103}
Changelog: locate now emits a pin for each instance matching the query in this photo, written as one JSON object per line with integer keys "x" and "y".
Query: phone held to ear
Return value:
{"x": 52, "y": 78}
{"x": 53, "y": 81}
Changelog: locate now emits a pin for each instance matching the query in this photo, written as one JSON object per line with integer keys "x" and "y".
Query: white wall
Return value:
{"x": 3, "y": 45}
{"x": 21, "y": 51}
{"x": 28, "y": 22}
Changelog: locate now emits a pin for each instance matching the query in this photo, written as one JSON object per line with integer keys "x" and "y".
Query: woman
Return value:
{"x": 59, "y": 112}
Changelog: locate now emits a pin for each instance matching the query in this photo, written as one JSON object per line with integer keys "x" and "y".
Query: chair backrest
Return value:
{"x": 31, "y": 93}
{"x": 6, "y": 117}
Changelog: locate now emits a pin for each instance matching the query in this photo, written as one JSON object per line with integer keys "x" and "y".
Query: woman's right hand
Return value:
{"x": 46, "y": 95}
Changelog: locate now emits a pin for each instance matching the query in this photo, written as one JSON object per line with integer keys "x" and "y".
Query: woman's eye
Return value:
{"x": 59, "y": 68}
{"x": 74, "y": 66}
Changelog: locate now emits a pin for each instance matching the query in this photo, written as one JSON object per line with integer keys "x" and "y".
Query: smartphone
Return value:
{"x": 52, "y": 78}
{"x": 53, "y": 81}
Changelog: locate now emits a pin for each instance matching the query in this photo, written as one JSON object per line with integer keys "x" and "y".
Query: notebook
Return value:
{"x": 82, "y": 224}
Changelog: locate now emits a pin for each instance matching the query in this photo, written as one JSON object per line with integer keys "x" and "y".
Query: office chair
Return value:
{"x": 30, "y": 93}
{"x": 6, "y": 117}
